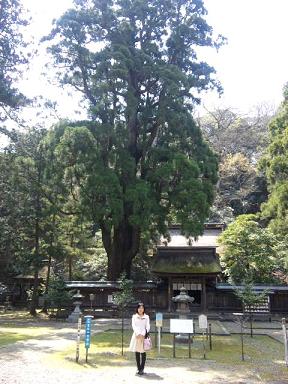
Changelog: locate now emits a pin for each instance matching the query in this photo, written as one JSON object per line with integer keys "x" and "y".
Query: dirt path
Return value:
{"x": 29, "y": 362}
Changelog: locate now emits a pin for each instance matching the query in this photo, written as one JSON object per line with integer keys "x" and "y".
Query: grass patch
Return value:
{"x": 12, "y": 333}
{"x": 11, "y": 337}
{"x": 23, "y": 315}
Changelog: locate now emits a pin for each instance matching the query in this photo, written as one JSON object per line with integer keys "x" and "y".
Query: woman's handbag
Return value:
{"x": 147, "y": 342}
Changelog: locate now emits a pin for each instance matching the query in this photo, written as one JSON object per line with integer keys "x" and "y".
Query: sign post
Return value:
{"x": 159, "y": 324}
{"x": 181, "y": 326}
{"x": 78, "y": 338}
{"x": 87, "y": 334}
{"x": 285, "y": 340}
{"x": 203, "y": 324}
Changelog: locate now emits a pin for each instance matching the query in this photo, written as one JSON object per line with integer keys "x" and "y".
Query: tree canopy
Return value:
{"x": 240, "y": 186}
{"x": 140, "y": 162}
{"x": 275, "y": 165}
{"x": 12, "y": 54}
{"x": 230, "y": 132}
{"x": 248, "y": 251}
{"x": 239, "y": 140}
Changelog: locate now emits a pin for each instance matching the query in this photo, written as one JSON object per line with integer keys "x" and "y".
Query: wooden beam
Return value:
{"x": 204, "y": 295}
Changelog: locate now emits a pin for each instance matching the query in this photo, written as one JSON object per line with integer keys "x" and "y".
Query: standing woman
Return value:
{"x": 140, "y": 325}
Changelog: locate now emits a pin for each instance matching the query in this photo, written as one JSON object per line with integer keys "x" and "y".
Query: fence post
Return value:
{"x": 285, "y": 340}
{"x": 210, "y": 337}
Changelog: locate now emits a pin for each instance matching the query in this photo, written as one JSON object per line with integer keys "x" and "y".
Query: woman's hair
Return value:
{"x": 140, "y": 305}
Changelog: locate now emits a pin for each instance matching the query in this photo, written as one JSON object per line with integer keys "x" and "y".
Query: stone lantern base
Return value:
{"x": 74, "y": 316}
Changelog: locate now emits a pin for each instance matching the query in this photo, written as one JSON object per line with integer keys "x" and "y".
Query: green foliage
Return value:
{"x": 275, "y": 164}
{"x": 240, "y": 188}
{"x": 140, "y": 160}
{"x": 124, "y": 296}
{"x": 21, "y": 204}
{"x": 142, "y": 266}
{"x": 248, "y": 252}
{"x": 249, "y": 297}
{"x": 58, "y": 296}
{"x": 12, "y": 54}
{"x": 239, "y": 141}
{"x": 10, "y": 198}
{"x": 93, "y": 263}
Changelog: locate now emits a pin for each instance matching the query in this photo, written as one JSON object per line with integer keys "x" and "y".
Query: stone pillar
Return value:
{"x": 169, "y": 293}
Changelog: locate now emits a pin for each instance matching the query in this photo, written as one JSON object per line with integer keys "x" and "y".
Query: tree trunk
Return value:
{"x": 70, "y": 259}
{"x": 70, "y": 268}
{"x": 37, "y": 262}
{"x": 45, "y": 304}
{"x": 34, "y": 299}
{"x": 125, "y": 246}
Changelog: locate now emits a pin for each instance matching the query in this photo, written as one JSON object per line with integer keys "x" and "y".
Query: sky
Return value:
{"x": 252, "y": 67}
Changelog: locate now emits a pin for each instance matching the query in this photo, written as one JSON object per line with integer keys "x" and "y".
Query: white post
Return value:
{"x": 78, "y": 338}
{"x": 204, "y": 348}
{"x": 285, "y": 340}
{"x": 159, "y": 324}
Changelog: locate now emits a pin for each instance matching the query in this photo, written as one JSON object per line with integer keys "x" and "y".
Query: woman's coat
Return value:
{"x": 140, "y": 324}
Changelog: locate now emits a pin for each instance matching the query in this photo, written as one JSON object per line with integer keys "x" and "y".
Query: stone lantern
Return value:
{"x": 8, "y": 304}
{"x": 182, "y": 301}
{"x": 74, "y": 316}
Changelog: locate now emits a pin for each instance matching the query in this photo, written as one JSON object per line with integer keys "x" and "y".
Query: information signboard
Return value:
{"x": 181, "y": 326}
{"x": 159, "y": 319}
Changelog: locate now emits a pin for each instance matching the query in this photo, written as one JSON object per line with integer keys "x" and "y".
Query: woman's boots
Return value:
{"x": 140, "y": 360}
{"x": 143, "y": 362}
{"x": 137, "y": 354}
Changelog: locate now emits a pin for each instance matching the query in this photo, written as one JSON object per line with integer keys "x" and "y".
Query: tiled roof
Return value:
{"x": 186, "y": 260}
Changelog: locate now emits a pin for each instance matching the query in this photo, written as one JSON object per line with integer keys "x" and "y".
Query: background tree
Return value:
{"x": 12, "y": 56}
{"x": 93, "y": 265}
{"x": 239, "y": 140}
{"x": 275, "y": 165}
{"x": 122, "y": 299}
{"x": 58, "y": 296}
{"x": 230, "y": 132}
{"x": 250, "y": 300}
{"x": 28, "y": 221}
{"x": 141, "y": 159}
{"x": 30, "y": 163}
{"x": 240, "y": 186}
{"x": 248, "y": 251}
{"x": 10, "y": 202}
